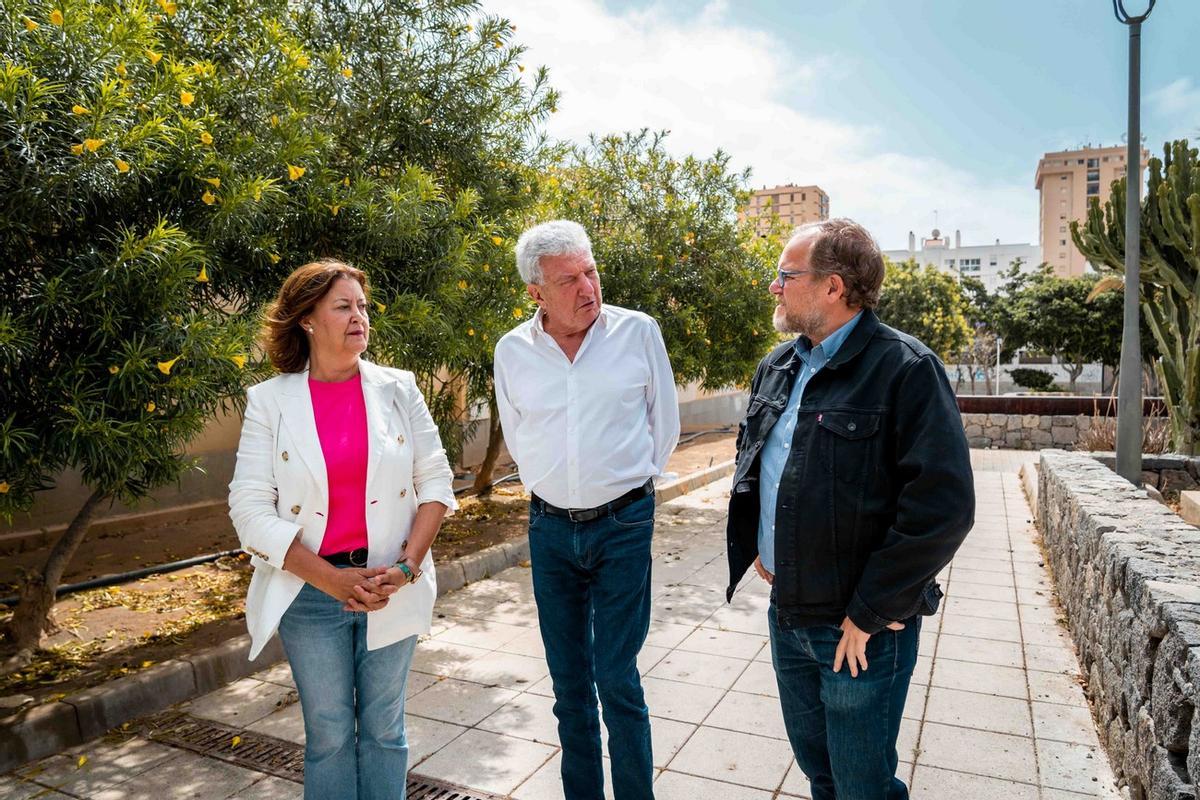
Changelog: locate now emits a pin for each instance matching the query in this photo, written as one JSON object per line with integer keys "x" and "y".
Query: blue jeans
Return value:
{"x": 591, "y": 581}
{"x": 843, "y": 730}
{"x": 352, "y": 699}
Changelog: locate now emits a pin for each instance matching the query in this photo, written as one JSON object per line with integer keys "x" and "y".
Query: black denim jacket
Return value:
{"x": 877, "y": 492}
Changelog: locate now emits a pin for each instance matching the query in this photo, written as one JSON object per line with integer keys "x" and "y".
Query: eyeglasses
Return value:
{"x": 784, "y": 274}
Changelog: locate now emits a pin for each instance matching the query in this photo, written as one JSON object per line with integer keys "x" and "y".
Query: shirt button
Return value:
{"x": 403, "y": 492}
{"x": 285, "y": 455}
{"x": 295, "y": 509}
{"x": 812, "y": 370}
{"x": 400, "y": 439}
{"x": 851, "y": 426}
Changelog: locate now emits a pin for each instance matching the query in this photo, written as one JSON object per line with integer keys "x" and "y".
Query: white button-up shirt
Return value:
{"x": 584, "y": 433}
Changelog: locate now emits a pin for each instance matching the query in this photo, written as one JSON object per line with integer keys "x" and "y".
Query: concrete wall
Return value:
{"x": 1127, "y": 570}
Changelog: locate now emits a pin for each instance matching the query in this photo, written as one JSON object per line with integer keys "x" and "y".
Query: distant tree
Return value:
{"x": 1035, "y": 379}
{"x": 926, "y": 303}
{"x": 1053, "y": 315}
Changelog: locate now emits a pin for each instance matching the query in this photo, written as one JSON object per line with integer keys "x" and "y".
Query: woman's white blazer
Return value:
{"x": 280, "y": 491}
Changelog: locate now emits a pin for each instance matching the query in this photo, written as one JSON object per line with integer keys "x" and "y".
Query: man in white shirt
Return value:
{"x": 587, "y": 402}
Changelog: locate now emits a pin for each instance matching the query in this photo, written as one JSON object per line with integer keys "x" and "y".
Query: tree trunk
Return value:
{"x": 1073, "y": 373}
{"x": 483, "y": 477}
{"x": 24, "y": 630}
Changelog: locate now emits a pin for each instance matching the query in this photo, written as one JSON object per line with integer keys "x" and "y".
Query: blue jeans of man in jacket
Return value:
{"x": 591, "y": 581}
{"x": 843, "y": 729}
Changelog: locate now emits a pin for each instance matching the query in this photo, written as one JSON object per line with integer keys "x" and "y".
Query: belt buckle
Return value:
{"x": 358, "y": 557}
{"x": 571, "y": 514}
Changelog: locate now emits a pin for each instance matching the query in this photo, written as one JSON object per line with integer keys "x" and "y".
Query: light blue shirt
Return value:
{"x": 778, "y": 446}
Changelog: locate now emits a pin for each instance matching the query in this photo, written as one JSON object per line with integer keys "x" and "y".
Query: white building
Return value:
{"x": 984, "y": 262}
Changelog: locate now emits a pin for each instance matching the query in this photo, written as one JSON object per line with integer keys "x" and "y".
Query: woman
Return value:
{"x": 340, "y": 486}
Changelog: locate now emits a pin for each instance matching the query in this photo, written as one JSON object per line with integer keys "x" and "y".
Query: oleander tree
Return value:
{"x": 1169, "y": 270}
{"x": 164, "y": 166}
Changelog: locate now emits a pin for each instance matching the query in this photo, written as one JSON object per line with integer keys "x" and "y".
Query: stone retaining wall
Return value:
{"x": 1127, "y": 570}
{"x": 1024, "y": 431}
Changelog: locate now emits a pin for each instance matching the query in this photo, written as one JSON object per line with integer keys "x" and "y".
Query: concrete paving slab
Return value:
{"x": 488, "y": 761}
{"x": 993, "y": 755}
{"x": 187, "y": 775}
{"x": 685, "y": 702}
{"x": 759, "y": 762}
{"x": 932, "y": 782}
{"x": 270, "y": 788}
{"x": 104, "y": 764}
{"x": 725, "y": 643}
{"x": 748, "y": 713}
{"x": 241, "y": 702}
{"x": 984, "y": 678}
{"x": 678, "y": 786}
{"x": 795, "y": 784}
{"x": 986, "y": 712}
{"x": 459, "y": 702}
{"x": 287, "y": 723}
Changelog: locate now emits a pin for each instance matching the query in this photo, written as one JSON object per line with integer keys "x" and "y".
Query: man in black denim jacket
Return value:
{"x": 853, "y": 489}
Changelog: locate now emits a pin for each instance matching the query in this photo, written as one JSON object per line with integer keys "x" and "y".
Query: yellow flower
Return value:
{"x": 347, "y": 72}
{"x": 275, "y": 259}
{"x": 518, "y": 313}
{"x": 380, "y": 307}
{"x": 206, "y": 137}
{"x": 114, "y": 369}
{"x": 302, "y": 62}
{"x": 257, "y": 193}
{"x": 208, "y": 197}
{"x": 334, "y": 209}
{"x": 239, "y": 360}
{"x": 462, "y": 284}
{"x": 487, "y": 267}
{"x": 56, "y": 17}
{"x": 520, "y": 67}
{"x": 3, "y": 487}
{"x": 214, "y": 182}
{"x": 78, "y": 109}
{"x": 154, "y": 57}
{"x": 754, "y": 281}
{"x": 203, "y": 276}
{"x": 165, "y": 366}
{"x": 80, "y": 761}
{"x": 496, "y": 240}
{"x": 198, "y": 68}
{"x": 168, "y": 6}
{"x": 295, "y": 173}
{"x": 150, "y": 406}
{"x": 470, "y": 331}
{"x": 346, "y": 181}
{"x": 30, "y": 25}
{"x": 274, "y": 120}
{"x": 77, "y": 149}
{"x": 92, "y": 145}
{"x": 186, "y": 97}
{"x": 499, "y": 44}
{"x": 427, "y": 121}
{"x": 121, "y": 70}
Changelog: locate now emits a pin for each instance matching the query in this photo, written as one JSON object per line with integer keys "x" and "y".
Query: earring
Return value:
{"x": 310, "y": 330}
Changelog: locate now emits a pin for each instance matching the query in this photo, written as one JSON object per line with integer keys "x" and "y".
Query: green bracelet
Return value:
{"x": 408, "y": 572}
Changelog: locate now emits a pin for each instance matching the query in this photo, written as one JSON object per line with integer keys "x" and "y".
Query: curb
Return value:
{"x": 53, "y": 727}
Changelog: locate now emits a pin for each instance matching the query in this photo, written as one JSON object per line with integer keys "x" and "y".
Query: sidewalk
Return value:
{"x": 996, "y": 709}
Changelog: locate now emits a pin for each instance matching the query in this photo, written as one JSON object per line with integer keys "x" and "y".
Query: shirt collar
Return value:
{"x": 539, "y": 318}
{"x": 831, "y": 344}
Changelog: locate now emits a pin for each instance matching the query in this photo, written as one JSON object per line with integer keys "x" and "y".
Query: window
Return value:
{"x": 791, "y": 198}
{"x": 1093, "y": 162}
{"x": 1062, "y": 203}
{"x": 803, "y": 196}
{"x": 1093, "y": 175}
{"x": 1093, "y": 189}
{"x": 1062, "y": 255}
{"x": 1062, "y": 242}
{"x": 1062, "y": 177}
{"x": 1062, "y": 190}
{"x": 1105, "y": 159}
{"x": 1062, "y": 228}
{"x": 950, "y": 263}
{"x": 1079, "y": 161}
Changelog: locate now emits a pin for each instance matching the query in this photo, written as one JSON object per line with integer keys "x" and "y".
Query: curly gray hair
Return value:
{"x": 558, "y": 237}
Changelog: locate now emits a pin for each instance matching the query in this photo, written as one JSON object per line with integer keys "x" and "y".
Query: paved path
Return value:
{"x": 996, "y": 709}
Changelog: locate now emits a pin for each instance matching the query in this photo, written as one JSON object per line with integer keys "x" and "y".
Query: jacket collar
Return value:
{"x": 868, "y": 323}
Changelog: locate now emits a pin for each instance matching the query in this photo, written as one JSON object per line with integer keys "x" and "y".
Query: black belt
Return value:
{"x": 590, "y": 514}
{"x": 351, "y": 558}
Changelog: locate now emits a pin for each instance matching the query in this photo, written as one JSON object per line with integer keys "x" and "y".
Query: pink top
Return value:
{"x": 341, "y": 417}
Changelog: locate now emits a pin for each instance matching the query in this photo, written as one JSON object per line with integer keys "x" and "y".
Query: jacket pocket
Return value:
{"x": 851, "y": 445}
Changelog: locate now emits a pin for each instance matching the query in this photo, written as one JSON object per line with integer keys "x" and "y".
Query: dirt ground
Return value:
{"x": 112, "y": 631}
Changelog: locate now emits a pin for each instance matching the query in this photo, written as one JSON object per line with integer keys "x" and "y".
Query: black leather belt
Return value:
{"x": 351, "y": 558}
{"x": 590, "y": 514}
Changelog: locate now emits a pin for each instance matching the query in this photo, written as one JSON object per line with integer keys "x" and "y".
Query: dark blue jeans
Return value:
{"x": 591, "y": 581}
{"x": 843, "y": 730}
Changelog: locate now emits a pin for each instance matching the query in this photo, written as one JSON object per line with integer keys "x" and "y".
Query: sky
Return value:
{"x": 896, "y": 108}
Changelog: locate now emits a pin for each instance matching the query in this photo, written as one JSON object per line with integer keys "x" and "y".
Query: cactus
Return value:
{"x": 1170, "y": 275}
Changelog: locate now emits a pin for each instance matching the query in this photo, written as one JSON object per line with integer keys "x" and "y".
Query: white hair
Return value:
{"x": 558, "y": 237}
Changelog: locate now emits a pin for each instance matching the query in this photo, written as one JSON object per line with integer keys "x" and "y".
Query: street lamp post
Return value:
{"x": 999, "y": 341}
{"x": 1129, "y": 388}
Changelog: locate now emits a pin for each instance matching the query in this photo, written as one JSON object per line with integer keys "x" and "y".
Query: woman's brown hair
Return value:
{"x": 285, "y": 344}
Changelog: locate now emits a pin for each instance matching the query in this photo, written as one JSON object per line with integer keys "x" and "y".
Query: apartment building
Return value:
{"x": 794, "y": 205}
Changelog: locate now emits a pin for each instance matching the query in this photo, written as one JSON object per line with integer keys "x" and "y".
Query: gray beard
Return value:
{"x": 796, "y": 323}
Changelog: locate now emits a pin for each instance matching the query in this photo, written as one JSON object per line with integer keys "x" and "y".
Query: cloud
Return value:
{"x": 1178, "y": 104}
{"x": 718, "y": 84}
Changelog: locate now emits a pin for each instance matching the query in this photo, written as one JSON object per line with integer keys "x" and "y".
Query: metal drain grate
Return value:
{"x": 263, "y": 753}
